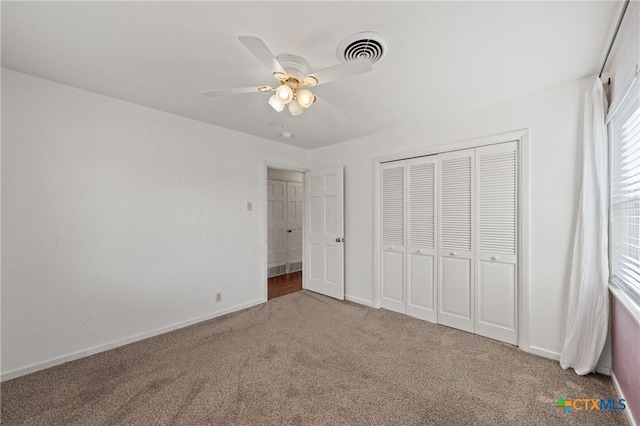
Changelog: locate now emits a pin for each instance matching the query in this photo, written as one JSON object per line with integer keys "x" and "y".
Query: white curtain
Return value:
{"x": 588, "y": 313}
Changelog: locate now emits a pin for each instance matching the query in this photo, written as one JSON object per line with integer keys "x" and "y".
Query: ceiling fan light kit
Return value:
{"x": 289, "y": 92}
{"x": 292, "y": 72}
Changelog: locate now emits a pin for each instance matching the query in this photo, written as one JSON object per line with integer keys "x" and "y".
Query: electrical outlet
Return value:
{"x": 249, "y": 205}
{"x": 218, "y": 297}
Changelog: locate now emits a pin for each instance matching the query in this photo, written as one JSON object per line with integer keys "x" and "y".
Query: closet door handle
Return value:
{"x": 420, "y": 251}
{"x": 392, "y": 247}
{"x": 495, "y": 257}
{"x": 454, "y": 253}
{"x": 289, "y": 230}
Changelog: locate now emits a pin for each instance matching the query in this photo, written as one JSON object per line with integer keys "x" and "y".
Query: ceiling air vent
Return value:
{"x": 366, "y": 44}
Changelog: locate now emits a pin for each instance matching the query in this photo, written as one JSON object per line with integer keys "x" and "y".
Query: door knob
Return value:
{"x": 495, "y": 258}
{"x": 339, "y": 240}
{"x": 392, "y": 247}
{"x": 420, "y": 251}
{"x": 289, "y": 230}
{"x": 454, "y": 253}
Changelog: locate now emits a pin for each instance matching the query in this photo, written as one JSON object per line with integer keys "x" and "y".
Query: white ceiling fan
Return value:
{"x": 292, "y": 73}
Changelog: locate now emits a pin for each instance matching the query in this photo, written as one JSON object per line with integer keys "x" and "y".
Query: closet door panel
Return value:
{"x": 456, "y": 292}
{"x": 295, "y": 200}
{"x": 276, "y": 221}
{"x": 421, "y": 286}
{"x": 422, "y": 231}
{"x": 393, "y": 278}
{"x": 393, "y": 203}
{"x": 497, "y": 295}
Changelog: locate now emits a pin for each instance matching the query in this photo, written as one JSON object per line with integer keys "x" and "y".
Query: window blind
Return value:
{"x": 624, "y": 131}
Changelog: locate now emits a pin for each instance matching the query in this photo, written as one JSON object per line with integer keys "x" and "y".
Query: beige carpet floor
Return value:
{"x": 307, "y": 359}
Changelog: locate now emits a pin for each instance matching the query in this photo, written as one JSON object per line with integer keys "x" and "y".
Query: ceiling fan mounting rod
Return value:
{"x": 294, "y": 66}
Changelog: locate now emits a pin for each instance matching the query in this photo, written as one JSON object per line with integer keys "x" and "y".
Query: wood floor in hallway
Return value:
{"x": 284, "y": 284}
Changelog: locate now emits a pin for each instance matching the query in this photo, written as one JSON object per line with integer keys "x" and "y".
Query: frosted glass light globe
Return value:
{"x": 284, "y": 94}
{"x": 295, "y": 108}
{"x": 276, "y": 104}
{"x": 305, "y": 98}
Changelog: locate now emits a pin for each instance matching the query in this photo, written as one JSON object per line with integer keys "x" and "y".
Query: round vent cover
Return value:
{"x": 366, "y": 44}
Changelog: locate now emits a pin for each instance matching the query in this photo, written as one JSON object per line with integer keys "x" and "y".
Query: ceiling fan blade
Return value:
{"x": 262, "y": 53}
{"x": 330, "y": 111}
{"x": 225, "y": 92}
{"x": 348, "y": 69}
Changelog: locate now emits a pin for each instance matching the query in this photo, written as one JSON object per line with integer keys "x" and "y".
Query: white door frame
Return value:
{"x": 522, "y": 138}
{"x": 265, "y": 247}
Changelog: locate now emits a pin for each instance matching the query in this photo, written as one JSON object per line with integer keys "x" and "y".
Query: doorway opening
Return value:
{"x": 285, "y": 221}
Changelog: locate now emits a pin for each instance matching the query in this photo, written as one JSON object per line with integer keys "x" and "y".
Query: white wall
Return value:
{"x": 113, "y": 214}
{"x": 554, "y": 118}
{"x": 120, "y": 220}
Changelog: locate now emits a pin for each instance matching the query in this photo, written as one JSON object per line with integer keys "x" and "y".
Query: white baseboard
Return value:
{"x": 603, "y": 369}
{"x": 12, "y": 374}
{"x": 358, "y": 300}
{"x": 628, "y": 412}
{"x": 544, "y": 353}
{"x": 600, "y": 368}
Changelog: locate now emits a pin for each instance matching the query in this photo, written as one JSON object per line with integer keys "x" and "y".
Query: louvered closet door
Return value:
{"x": 393, "y": 235}
{"x": 422, "y": 253}
{"x": 455, "y": 248}
{"x": 496, "y": 251}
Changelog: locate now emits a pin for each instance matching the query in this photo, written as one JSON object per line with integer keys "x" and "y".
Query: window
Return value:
{"x": 624, "y": 131}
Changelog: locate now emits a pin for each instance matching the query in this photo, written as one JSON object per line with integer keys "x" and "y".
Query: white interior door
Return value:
{"x": 393, "y": 254}
{"x": 324, "y": 230}
{"x": 422, "y": 254}
{"x": 276, "y": 222}
{"x": 496, "y": 272}
{"x": 455, "y": 249}
{"x": 294, "y": 221}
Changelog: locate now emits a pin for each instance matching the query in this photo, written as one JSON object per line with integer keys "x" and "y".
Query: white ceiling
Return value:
{"x": 443, "y": 56}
